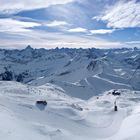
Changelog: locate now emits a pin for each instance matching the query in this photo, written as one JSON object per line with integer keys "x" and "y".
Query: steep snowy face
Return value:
{"x": 81, "y": 73}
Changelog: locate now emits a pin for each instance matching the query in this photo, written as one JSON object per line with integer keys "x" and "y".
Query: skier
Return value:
{"x": 115, "y": 106}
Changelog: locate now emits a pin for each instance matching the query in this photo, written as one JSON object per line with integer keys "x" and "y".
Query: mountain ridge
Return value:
{"x": 76, "y": 68}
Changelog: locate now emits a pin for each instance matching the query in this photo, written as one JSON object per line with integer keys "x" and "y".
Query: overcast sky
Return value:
{"x": 69, "y": 23}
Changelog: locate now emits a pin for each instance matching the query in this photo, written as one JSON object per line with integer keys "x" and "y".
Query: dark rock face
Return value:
{"x": 64, "y": 73}
{"x": 19, "y": 78}
{"x": 92, "y": 65}
{"x": 133, "y": 62}
{"x": 7, "y": 76}
{"x": 138, "y": 63}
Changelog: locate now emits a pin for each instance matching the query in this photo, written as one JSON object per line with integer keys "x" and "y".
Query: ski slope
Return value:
{"x": 66, "y": 117}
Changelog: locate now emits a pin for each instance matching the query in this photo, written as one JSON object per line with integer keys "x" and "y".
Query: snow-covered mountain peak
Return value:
{"x": 28, "y": 48}
{"x": 74, "y": 70}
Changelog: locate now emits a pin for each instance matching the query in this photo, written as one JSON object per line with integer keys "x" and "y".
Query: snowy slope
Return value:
{"x": 66, "y": 118}
{"x": 79, "y": 72}
{"x": 77, "y": 85}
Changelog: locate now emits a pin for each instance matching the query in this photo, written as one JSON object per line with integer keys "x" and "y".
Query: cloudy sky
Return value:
{"x": 69, "y": 23}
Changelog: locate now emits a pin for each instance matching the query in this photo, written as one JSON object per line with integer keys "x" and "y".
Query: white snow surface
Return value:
{"x": 65, "y": 117}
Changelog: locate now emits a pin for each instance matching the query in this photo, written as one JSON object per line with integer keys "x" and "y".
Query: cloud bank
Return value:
{"x": 14, "y": 6}
{"x": 10, "y": 25}
{"x": 122, "y": 15}
{"x": 76, "y": 30}
{"x": 102, "y": 31}
{"x": 69, "y": 23}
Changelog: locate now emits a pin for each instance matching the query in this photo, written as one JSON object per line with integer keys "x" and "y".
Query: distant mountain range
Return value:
{"x": 81, "y": 73}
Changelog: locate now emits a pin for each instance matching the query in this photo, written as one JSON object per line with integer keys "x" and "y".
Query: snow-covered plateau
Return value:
{"x": 77, "y": 85}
